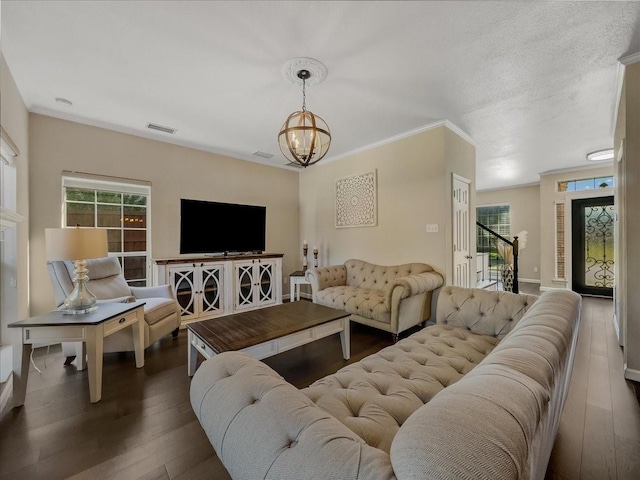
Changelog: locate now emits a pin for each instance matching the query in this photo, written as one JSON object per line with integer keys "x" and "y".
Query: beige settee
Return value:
{"x": 478, "y": 395}
{"x": 392, "y": 298}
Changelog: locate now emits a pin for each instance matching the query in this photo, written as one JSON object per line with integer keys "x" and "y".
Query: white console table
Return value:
{"x": 209, "y": 287}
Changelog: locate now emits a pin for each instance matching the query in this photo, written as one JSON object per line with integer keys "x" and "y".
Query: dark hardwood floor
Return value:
{"x": 144, "y": 427}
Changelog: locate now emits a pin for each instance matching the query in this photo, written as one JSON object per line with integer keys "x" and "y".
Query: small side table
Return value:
{"x": 296, "y": 279}
{"x": 90, "y": 329}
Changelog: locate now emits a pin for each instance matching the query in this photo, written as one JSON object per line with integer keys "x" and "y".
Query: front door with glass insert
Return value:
{"x": 593, "y": 246}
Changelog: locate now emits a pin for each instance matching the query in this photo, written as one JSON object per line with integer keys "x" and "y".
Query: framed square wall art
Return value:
{"x": 357, "y": 200}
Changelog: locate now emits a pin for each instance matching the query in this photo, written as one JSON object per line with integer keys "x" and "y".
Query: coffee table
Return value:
{"x": 267, "y": 331}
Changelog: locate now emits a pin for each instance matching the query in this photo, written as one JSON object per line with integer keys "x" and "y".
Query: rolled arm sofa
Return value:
{"x": 477, "y": 395}
{"x": 392, "y": 298}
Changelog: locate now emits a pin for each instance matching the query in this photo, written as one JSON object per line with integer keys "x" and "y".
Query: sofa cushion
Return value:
{"x": 155, "y": 309}
{"x": 482, "y": 311}
{"x": 359, "y": 301}
{"x": 375, "y": 396}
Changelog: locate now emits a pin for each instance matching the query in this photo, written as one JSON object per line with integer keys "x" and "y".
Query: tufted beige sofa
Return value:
{"x": 392, "y": 298}
{"x": 478, "y": 395}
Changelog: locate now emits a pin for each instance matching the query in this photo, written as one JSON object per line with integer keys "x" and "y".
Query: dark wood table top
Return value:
{"x": 246, "y": 329}
{"x": 105, "y": 311}
{"x": 215, "y": 258}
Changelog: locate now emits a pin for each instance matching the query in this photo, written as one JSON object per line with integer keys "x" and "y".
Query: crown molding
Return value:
{"x": 440, "y": 123}
{"x": 629, "y": 59}
{"x": 589, "y": 166}
{"x": 510, "y": 187}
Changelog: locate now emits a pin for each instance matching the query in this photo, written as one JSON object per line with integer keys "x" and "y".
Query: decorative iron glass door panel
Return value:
{"x": 592, "y": 226}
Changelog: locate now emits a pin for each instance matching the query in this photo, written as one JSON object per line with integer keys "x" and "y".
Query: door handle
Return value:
{"x": 469, "y": 257}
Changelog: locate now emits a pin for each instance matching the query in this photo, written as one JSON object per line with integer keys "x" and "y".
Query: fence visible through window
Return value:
{"x": 123, "y": 214}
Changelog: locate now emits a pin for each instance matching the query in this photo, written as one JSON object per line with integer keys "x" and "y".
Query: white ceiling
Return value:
{"x": 532, "y": 83}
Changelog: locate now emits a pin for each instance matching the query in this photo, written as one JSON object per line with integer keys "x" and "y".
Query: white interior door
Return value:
{"x": 461, "y": 232}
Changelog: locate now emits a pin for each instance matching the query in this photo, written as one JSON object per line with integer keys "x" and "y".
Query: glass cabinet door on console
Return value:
{"x": 255, "y": 283}
{"x": 198, "y": 289}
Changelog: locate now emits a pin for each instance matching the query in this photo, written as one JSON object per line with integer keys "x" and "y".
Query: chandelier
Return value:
{"x": 304, "y": 137}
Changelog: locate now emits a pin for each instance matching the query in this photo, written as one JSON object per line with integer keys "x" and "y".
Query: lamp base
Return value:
{"x": 79, "y": 311}
{"x": 80, "y": 300}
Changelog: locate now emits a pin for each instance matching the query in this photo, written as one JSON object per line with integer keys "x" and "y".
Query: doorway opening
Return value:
{"x": 592, "y": 229}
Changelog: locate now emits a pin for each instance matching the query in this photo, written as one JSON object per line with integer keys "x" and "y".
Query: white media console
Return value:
{"x": 212, "y": 286}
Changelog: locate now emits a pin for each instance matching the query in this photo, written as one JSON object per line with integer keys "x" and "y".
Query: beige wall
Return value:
{"x": 524, "y": 203}
{"x": 627, "y": 134}
{"x": 414, "y": 189}
{"x": 549, "y": 196}
{"x": 175, "y": 172}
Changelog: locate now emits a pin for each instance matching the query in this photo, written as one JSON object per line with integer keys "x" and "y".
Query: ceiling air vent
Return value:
{"x": 263, "y": 154}
{"x": 160, "y": 128}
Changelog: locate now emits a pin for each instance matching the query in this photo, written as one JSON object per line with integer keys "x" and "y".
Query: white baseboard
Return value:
{"x": 308, "y": 296}
{"x": 631, "y": 374}
{"x": 544, "y": 289}
{"x": 7, "y": 392}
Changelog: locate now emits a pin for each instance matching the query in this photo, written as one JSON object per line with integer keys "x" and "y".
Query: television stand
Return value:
{"x": 220, "y": 284}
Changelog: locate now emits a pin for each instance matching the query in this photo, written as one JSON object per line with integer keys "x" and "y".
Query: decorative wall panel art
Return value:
{"x": 356, "y": 201}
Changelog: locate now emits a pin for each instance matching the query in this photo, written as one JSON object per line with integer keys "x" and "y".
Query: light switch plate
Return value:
{"x": 432, "y": 228}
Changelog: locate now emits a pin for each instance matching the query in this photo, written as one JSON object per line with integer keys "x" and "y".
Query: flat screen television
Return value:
{"x": 214, "y": 227}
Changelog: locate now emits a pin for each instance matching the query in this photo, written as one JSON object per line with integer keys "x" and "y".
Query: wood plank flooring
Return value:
{"x": 599, "y": 435}
{"x": 144, "y": 428}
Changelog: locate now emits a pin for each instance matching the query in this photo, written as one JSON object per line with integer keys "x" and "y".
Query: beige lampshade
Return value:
{"x": 76, "y": 243}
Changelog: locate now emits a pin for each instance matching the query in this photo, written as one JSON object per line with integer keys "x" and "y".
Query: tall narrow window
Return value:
{"x": 560, "y": 253}
{"x": 120, "y": 207}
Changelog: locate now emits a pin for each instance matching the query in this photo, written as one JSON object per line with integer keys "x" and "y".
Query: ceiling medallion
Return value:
{"x": 316, "y": 69}
{"x": 304, "y": 137}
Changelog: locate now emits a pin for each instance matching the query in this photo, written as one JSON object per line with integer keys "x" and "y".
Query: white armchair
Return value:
{"x": 106, "y": 282}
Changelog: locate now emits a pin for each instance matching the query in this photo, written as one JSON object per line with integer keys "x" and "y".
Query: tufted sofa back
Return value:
{"x": 486, "y": 312}
{"x": 362, "y": 274}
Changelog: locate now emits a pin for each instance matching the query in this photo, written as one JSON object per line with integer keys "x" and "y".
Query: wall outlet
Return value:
{"x": 535, "y": 269}
{"x": 432, "y": 228}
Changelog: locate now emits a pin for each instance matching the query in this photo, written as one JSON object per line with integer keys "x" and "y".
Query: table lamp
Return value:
{"x": 77, "y": 244}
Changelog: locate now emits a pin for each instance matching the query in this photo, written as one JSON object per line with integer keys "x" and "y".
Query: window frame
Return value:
{"x": 493, "y": 205}
{"x": 97, "y": 183}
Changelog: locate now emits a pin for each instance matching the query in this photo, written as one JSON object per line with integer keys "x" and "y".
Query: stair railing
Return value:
{"x": 491, "y": 246}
